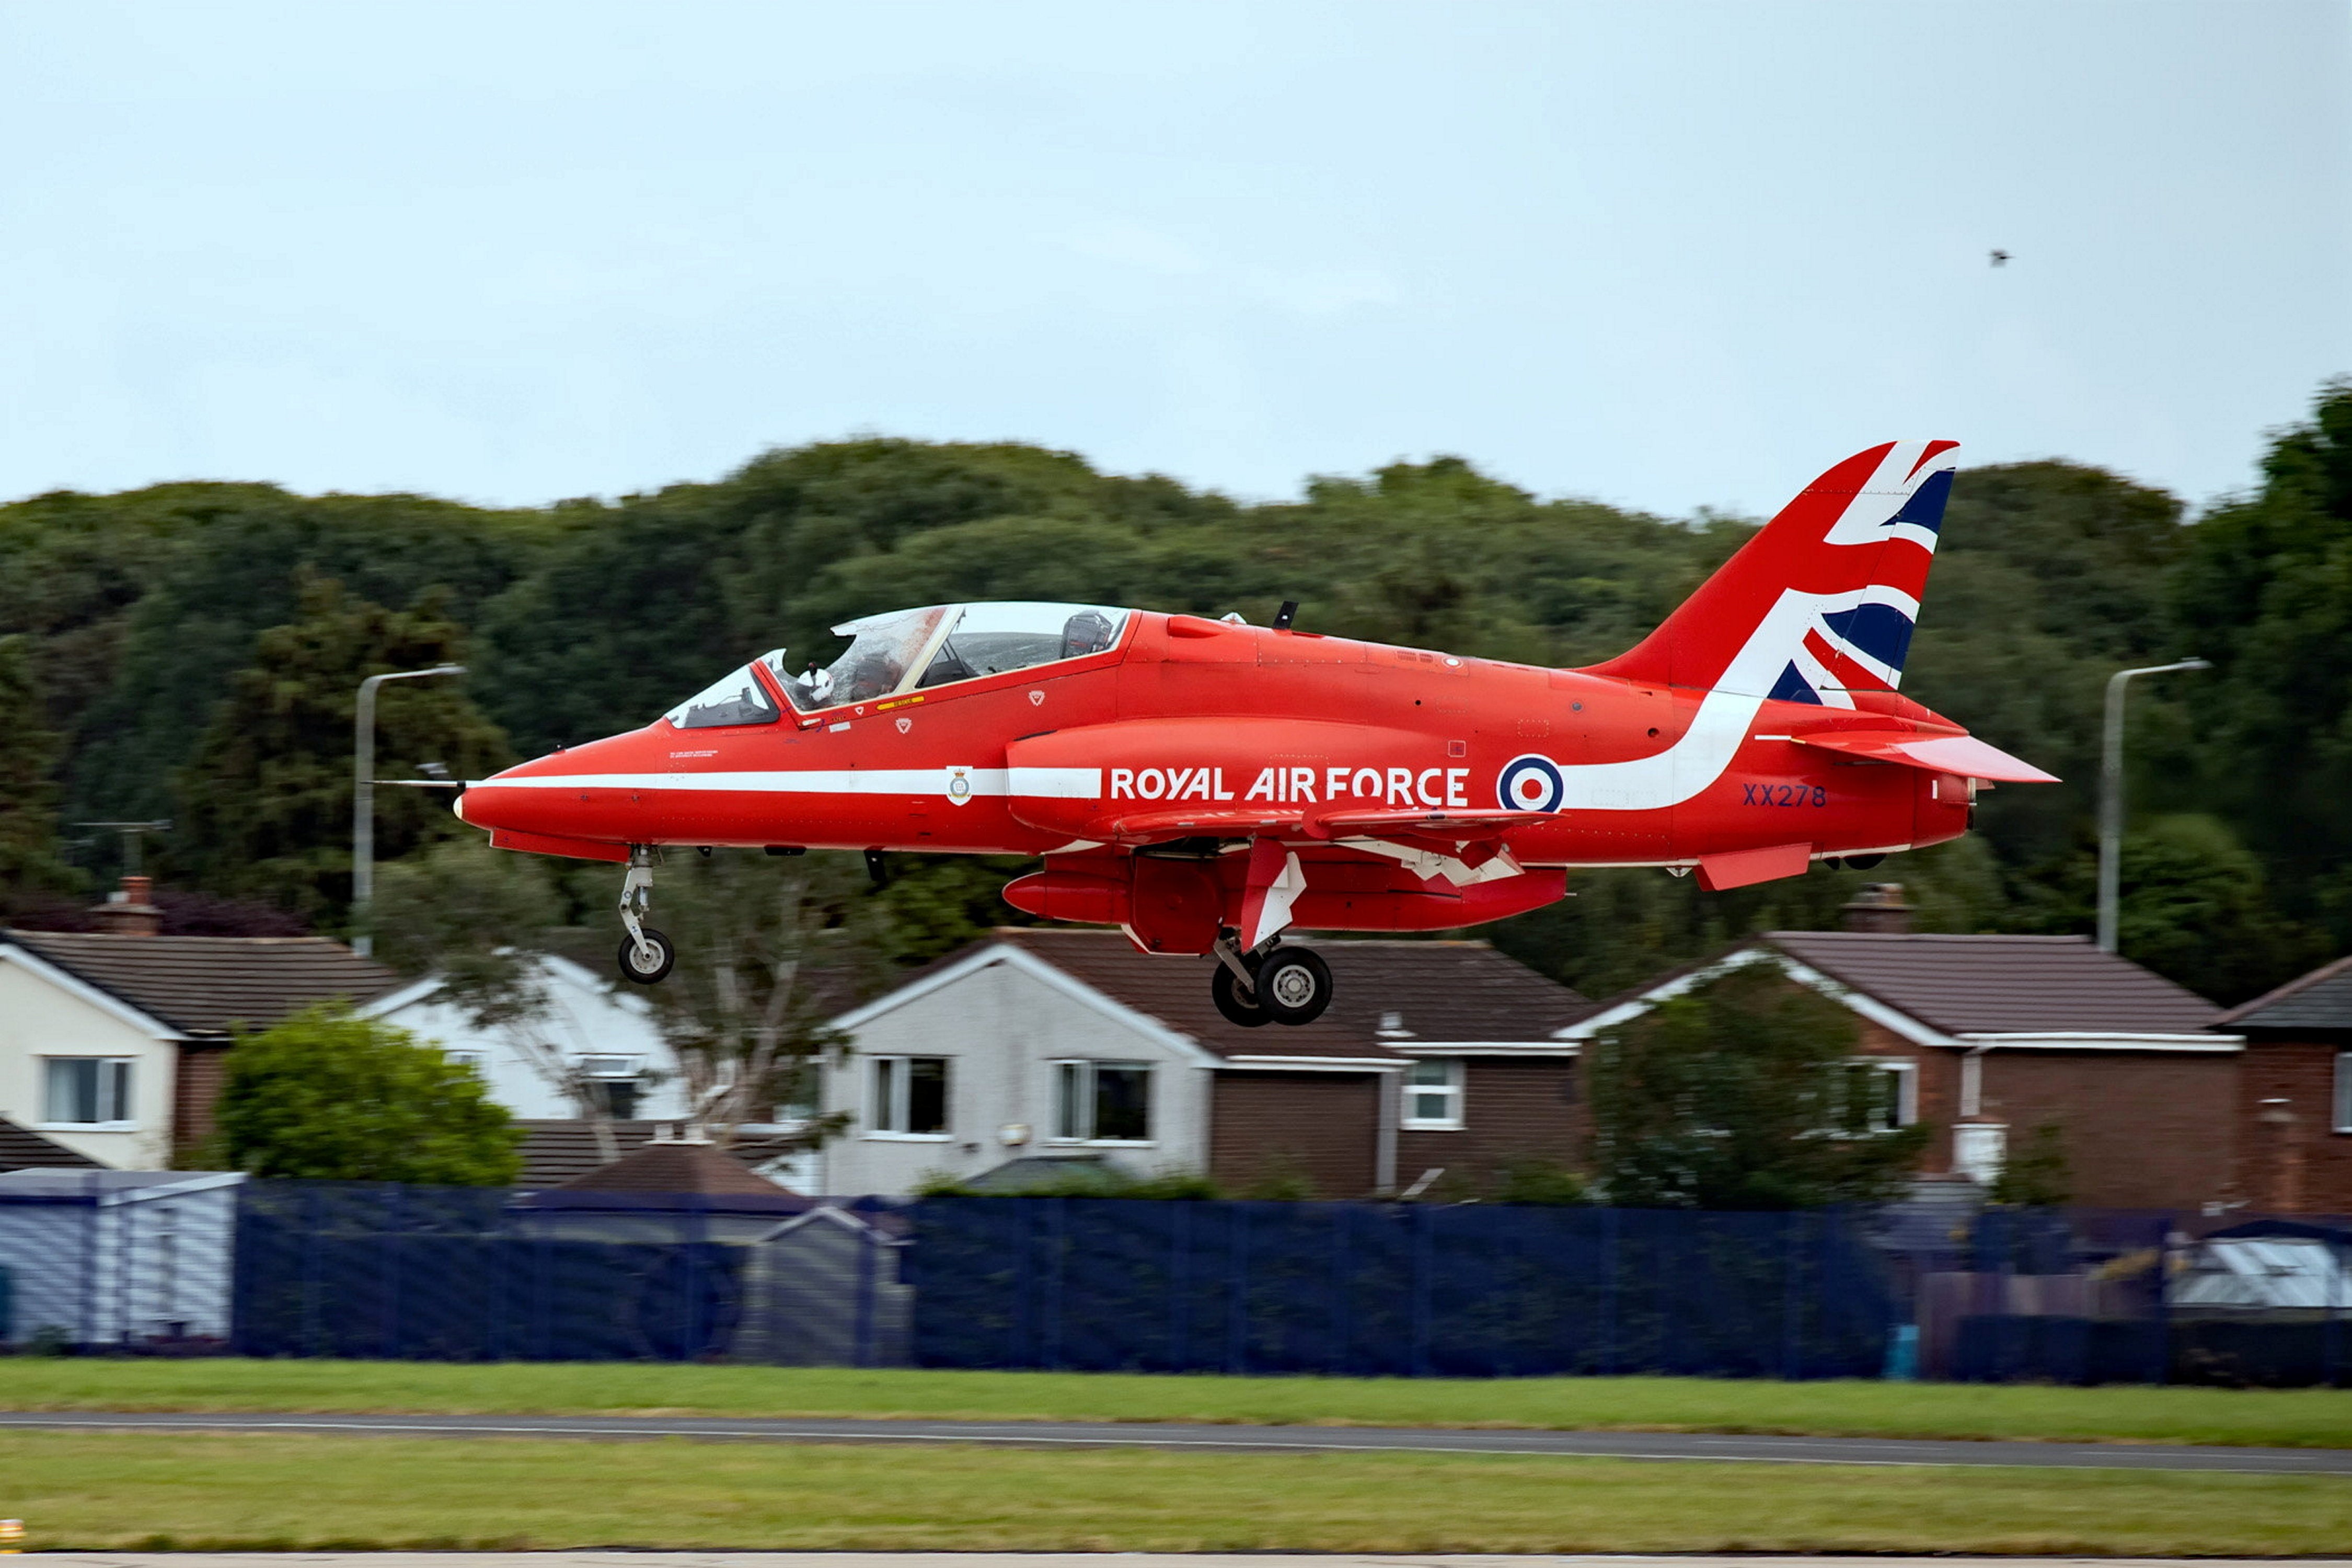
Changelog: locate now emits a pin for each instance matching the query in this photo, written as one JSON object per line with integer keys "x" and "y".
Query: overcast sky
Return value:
{"x": 1665, "y": 255}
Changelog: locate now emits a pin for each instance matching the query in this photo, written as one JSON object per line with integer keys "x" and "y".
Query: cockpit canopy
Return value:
{"x": 911, "y": 650}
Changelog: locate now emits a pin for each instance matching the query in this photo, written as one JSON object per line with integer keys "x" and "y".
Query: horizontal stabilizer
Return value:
{"x": 1962, "y": 755}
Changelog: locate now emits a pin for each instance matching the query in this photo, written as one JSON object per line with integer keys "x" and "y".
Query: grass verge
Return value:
{"x": 222, "y": 1492}
{"x": 2320, "y": 1418}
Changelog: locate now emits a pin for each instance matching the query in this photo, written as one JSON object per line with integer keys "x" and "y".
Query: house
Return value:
{"x": 611, "y": 1039}
{"x": 1992, "y": 1039}
{"x": 117, "y": 1257}
{"x": 113, "y": 1042}
{"x": 2294, "y": 1094}
{"x": 1440, "y": 1061}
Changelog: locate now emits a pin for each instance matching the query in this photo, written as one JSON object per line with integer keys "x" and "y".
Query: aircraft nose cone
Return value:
{"x": 566, "y": 794}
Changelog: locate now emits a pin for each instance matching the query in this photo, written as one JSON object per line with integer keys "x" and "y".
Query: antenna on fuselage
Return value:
{"x": 1285, "y": 616}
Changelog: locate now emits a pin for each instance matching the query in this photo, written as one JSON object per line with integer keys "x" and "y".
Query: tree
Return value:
{"x": 767, "y": 950}
{"x": 328, "y": 1097}
{"x": 265, "y": 805}
{"x": 29, "y": 749}
{"x": 1737, "y": 1095}
{"x": 2194, "y": 907}
{"x": 2036, "y": 1174}
{"x": 478, "y": 919}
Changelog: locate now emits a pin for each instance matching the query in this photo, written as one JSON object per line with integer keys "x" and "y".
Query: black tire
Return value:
{"x": 1294, "y": 985}
{"x": 630, "y": 961}
{"x": 1226, "y": 993}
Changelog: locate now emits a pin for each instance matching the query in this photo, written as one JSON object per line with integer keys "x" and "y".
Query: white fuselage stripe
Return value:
{"x": 1048, "y": 784}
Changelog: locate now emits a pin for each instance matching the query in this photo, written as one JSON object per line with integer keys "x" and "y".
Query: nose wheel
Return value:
{"x": 647, "y": 955}
{"x": 1281, "y": 985}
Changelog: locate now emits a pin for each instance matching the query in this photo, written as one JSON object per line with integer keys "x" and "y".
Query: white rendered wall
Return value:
{"x": 1003, "y": 1029}
{"x": 40, "y": 1019}
{"x": 583, "y": 1018}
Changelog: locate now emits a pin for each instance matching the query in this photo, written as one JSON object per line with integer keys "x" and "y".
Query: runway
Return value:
{"x": 1647, "y": 1445}
{"x": 1060, "y": 1560}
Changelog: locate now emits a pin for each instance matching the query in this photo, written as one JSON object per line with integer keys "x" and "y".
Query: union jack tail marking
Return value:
{"x": 1822, "y": 601}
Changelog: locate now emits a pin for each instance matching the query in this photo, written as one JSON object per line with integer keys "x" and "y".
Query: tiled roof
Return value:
{"x": 26, "y": 1150}
{"x": 2319, "y": 1000}
{"x": 1441, "y": 991}
{"x": 205, "y": 984}
{"x": 555, "y": 1153}
{"x": 2002, "y": 985}
{"x": 675, "y": 1168}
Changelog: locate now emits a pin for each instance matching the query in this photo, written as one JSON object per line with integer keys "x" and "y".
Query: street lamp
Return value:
{"x": 363, "y": 799}
{"x": 2110, "y": 794}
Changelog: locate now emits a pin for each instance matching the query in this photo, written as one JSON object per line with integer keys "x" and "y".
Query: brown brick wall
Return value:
{"x": 195, "y": 1091}
{"x": 2298, "y": 1166}
{"x": 2141, "y": 1130}
{"x": 1511, "y": 1109}
{"x": 1323, "y": 1124}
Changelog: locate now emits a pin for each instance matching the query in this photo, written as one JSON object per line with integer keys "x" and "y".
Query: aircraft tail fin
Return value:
{"x": 1821, "y": 602}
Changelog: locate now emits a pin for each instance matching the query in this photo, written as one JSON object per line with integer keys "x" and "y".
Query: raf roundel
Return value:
{"x": 1530, "y": 784}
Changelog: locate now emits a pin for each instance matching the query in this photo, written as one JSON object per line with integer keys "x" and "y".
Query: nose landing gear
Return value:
{"x": 1273, "y": 985}
{"x": 647, "y": 955}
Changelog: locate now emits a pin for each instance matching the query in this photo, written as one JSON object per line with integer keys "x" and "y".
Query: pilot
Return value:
{"x": 1088, "y": 631}
{"x": 877, "y": 675}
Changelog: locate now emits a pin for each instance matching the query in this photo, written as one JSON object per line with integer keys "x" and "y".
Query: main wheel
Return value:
{"x": 1226, "y": 993}
{"x": 1294, "y": 984}
{"x": 633, "y": 959}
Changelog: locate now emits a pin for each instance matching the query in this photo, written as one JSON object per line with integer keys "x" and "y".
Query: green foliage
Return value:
{"x": 29, "y": 749}
{"x": 1084, "y": 1179}
{"x": 1534, "y": 1180}
{"x": 2036, "y": 1174}
{"x": 328, "y": 1097}
{"x": 1733, "y": 1096}
{"x": 266, "y": 803}
{"x": 140, "y": 611}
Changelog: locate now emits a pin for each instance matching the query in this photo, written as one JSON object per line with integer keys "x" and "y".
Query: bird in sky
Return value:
{"x": 1999, "y": 258}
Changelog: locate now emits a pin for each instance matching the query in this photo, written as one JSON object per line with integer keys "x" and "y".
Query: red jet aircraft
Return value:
{"x": 1208, "y": 786}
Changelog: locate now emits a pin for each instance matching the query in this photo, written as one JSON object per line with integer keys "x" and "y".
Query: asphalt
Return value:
{"x": 1054, "y": 1560}
{"x": 1656, "y": 1446}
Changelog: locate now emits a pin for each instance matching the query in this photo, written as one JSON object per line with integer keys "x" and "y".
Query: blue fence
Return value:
{"x": 166, "y": 1263}
{"x": 1402, "y": 1289}
{"x": 455, "y": 1274}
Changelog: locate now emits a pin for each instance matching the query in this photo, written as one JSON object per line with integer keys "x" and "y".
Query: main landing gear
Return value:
{"x": 1273, "y": 985}
{"x": 646, "y": 953}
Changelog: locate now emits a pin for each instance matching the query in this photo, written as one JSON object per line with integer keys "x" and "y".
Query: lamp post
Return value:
{"x": 2110, "y": 794}
{"x": 363, "y": 799}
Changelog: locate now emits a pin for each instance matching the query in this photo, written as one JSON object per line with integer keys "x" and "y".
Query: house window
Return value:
{"x": 86, "y": 1091}
{"x": 1103, "y": 1101}
{"x": 612, "y": 1085}
{"x": 2344, "y": 1091}
{"x": 1873, "y": 1095}
{"x": 910, "y": 1097}
{"x": 1433, "y": 1095}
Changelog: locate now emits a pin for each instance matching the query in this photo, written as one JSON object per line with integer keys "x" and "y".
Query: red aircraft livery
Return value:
{"x": 1208, "y": 786}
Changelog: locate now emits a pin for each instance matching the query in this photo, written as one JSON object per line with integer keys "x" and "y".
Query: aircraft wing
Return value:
{"x": 1436, "y": 824}
{"x": 1963, "y": 754}
{"x": 1169, "y": 822}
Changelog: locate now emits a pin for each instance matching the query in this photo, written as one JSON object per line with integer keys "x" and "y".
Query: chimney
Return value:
{"x": 130, "y": 912}
{"x": 1879, "y": 908}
